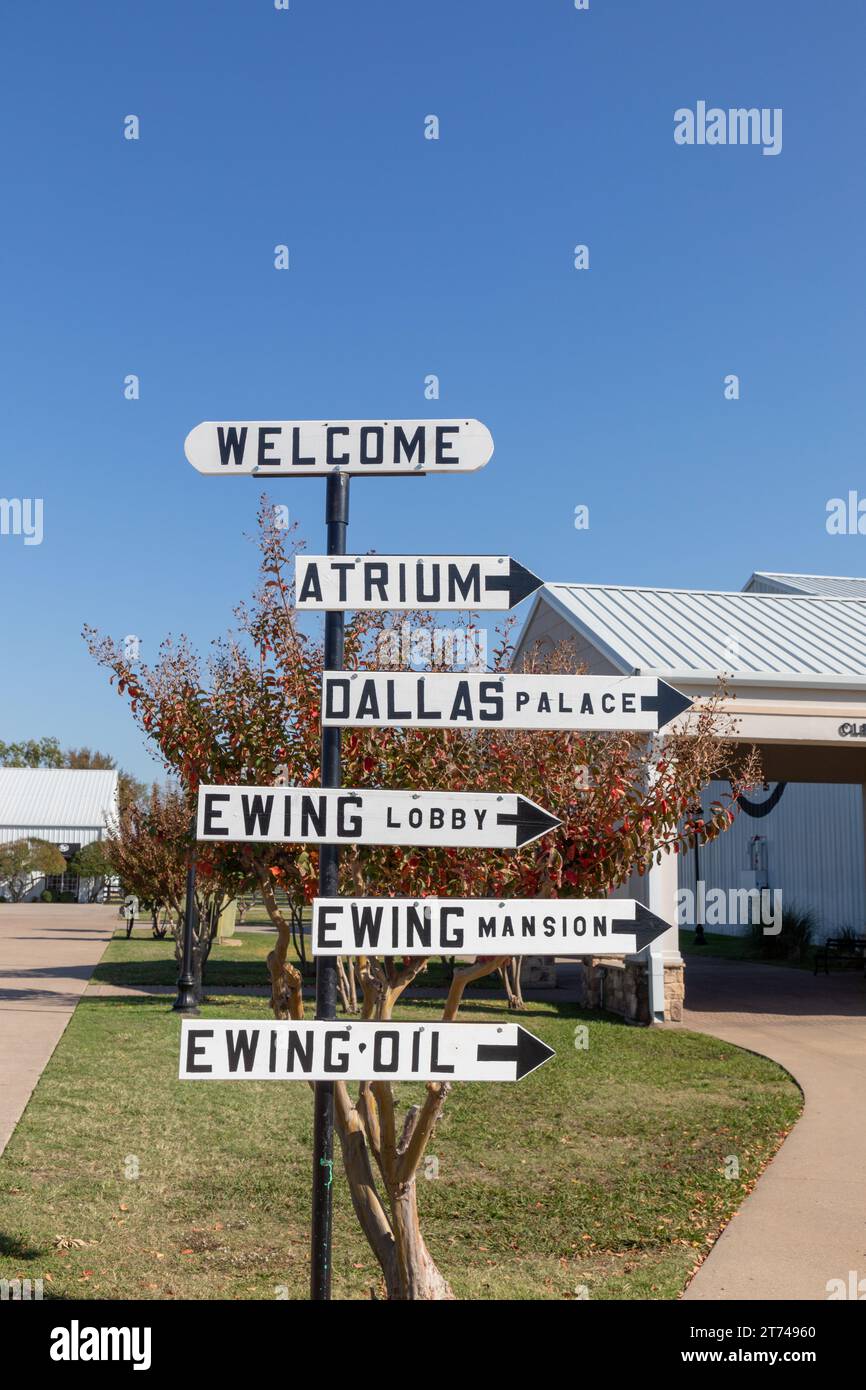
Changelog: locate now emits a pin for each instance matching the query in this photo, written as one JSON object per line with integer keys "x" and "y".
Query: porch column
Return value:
{"x": 665, "y": 965}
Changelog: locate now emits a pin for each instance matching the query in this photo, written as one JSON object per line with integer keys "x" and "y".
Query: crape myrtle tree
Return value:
{"x": 23, "y": 860}
{"x": 149, "y": 846}
{"x": 250, "y": 715}
{"x": 92, "y": 864}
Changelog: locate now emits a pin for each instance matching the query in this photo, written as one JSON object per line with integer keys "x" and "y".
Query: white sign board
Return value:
{"x": 305, "y": 815}
{"x": 242, "y": 1050}
{"x": 482, "y": 927}
{"x": 466, "y": 700}
{"x": 295, "y": 448}
{"x": 483, "y": 582}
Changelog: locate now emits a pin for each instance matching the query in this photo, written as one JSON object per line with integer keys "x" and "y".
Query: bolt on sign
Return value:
{"x": 399, "y": 582}
{"x": 293, "y": 448}
{"x": 325, "y": 1050}
{"x": 465, "y": 700}
{"x": 482, "y": 926}
{"x": 303, "y": 815}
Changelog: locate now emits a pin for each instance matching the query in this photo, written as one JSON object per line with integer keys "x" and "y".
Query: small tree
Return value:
{"x": 23, "y": 860}
{"x": 149, "y": 848}
{"x": 93, "y": 864}
{"x": 251, "y": 716}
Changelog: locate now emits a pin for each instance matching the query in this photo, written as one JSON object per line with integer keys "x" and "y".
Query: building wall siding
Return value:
{"x": 55, "y": 834}
{"x": 815, "y": 840}
{"x": 548, "y": 630}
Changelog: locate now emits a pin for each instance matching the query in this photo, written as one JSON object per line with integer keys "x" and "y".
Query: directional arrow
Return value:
{"x": 327, "y": 815}
{"x": 518, "y": 584}
{"x": 330, "y": 582}
{"x": 640, "y": 928}
{"x": 472, "y": 700}
{"x": 666, "y": 704}
{"x": 319, "y": 1050}
{"x": 531, "y": 821}
{"x": 482, "y": 926}
{"x": 528, "y": 1053}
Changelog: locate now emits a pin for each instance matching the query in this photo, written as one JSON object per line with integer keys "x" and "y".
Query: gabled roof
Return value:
{"x": 688, "y": 634}
{"x": 830, "y": 585}
{"x": 49, "y": 796}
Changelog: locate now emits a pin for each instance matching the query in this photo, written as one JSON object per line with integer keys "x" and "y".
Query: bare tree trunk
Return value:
{"x": 510, "y": 971}
{"x": 346, "y": 985}
{"x": 420, "y": 1279}
{"x": 367, "y": 1128}
{"x": 362, "y": 1188}
{"x": 287, "y": 1000}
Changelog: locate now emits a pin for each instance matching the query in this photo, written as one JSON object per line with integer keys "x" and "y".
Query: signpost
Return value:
{"x": 482, "y": 926}
{"x": 325, "y": 1049}
{"x": 336, "y": 522}
{"x": 241, "y": 1050}
{"x": 337, "y": 450}
{"x": 376, "y": 448}
{"x": 483, "y": 582}
{"x": 468, "y": 700}
{"x": 304, "y": 815}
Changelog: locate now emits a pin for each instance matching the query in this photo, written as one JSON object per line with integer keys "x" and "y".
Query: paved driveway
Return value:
{"x": 805, "y": 1221}
{"x": 47, "y": 955}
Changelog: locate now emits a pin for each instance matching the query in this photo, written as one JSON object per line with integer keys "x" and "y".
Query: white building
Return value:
{"x": 793, "y": 650}
{"x": 69, "y": 807}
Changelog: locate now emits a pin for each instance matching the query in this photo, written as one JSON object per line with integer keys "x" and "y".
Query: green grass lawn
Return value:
{"x": 738, "y": 948}
{"x": 142, "y": 960}
{"x": 605, "y": 1169}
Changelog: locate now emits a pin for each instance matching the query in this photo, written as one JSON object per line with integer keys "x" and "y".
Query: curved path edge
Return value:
{"x": 803, "y": 1226}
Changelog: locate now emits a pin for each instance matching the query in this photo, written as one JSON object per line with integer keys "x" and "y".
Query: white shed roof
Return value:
{"x": 688, "y": 634}
{"x": 47, "y": 796}
{"x": 830, "y": 585}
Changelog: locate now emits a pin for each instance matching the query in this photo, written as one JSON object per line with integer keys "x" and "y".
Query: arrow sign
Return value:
{"x": 494, "y": 582}
{"x": 482, "y": 926}
{"x": 304, "y": 815}
{"x": 293, "y": 448}
{"x": 466, "y": 700}
{"x": 241, "y": 1050}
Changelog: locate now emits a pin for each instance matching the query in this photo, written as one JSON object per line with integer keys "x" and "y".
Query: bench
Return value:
{"x": 841, "y": 948}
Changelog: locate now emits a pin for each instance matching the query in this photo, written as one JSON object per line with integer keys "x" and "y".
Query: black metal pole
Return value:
{"x": 185, "y": 1003}
{"x": 336, "y": 520}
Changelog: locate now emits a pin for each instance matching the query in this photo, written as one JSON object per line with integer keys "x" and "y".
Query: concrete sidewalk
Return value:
{"x": 805, "y": 1222}
{"x": 47, "y": 955}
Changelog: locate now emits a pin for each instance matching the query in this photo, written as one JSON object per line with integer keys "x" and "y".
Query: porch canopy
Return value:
{"x": 794, "y": 665}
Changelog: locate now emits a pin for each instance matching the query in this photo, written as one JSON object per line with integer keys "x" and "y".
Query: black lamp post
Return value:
{"x": 185, "y": 1003}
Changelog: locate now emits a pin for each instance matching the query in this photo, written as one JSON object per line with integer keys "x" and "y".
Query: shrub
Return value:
{"x": 67, "y": 898}
{"x": 46, "y": 896}
{"x": 799, "y": 927}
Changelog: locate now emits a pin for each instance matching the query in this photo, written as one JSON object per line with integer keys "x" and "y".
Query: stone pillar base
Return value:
{"x": 622, "y": 987}
{"x": 675, "y": 990}
{"x": 538, "y": 972}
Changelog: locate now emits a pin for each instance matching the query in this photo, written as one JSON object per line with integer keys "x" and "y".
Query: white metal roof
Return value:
{"x": 830, "y": 585}
{"x": 689, "y": 634}
{"x": 64, "y": 796}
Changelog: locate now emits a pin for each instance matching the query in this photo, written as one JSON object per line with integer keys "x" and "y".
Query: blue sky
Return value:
{"x": 409, "y": 257}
